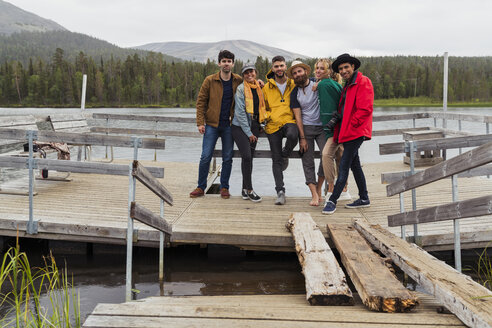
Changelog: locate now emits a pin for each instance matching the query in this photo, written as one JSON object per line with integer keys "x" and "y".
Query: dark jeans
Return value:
{"x": 290, "y": 132}
{"x": 208, "y": 145}
{"x": 247, "y": 150}
{"x": 350, "y": 160}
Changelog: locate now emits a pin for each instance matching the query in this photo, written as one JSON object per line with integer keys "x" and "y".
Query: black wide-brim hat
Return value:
{"x": 345, "y": 58}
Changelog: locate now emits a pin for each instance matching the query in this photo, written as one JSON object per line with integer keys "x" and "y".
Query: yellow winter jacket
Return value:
{"x": 278, "y": 106}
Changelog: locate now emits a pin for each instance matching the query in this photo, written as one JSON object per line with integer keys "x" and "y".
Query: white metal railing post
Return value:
{"x": 456, "y": 226}
{"x": 411, "y": 147}
{"x": 32, "y": 226}
{"x": 161, "y": 247}
{"x": 84, "y": 88}
{"x": 402, "y": 209}
{"x": 445, "y": 90}
{"x": 129, "y": 232}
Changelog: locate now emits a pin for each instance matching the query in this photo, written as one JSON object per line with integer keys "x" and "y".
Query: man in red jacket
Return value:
{"x": 353, "y": 126}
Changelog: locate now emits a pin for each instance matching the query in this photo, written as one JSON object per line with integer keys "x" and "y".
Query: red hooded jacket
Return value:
{"x": 357, "y": 110}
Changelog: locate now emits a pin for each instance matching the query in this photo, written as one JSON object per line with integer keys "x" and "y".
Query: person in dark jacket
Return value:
{"x": 354, "y": 126}
{"x": 214, "y": 108}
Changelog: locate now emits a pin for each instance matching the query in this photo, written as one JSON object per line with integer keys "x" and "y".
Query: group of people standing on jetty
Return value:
{"x": 291, "y": 106}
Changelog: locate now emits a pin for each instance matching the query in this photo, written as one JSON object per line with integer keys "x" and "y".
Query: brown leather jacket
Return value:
{"x": 210, "y": 99}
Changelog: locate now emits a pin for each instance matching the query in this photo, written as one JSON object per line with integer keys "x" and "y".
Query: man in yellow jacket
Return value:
{"x": 280, "y": 123}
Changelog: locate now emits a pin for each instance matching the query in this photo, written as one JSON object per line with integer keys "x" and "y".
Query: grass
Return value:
{"x": 28, "y": 286}
{"x": 484, "y": 269}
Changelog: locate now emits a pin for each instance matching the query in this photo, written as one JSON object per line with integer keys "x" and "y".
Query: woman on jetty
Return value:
{"x": 329, "y": 91}
{"x": 249, "y": 112}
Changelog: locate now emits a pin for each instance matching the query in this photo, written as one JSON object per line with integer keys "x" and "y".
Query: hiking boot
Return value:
{"x": 224, "y": 193}
{"x": 252, "y": 196}
{"x": 198, "y": 192}
{"x": 244, "y": 194}
{"x": 359, "y": 203}
{"x": 330, "y": 208}
{"x": 285, "y": 164}
{"x": 280, "y": 198}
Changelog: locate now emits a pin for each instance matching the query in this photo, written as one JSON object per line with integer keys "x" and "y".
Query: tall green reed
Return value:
{"x": 23, "y": 288}
{"x": 484, "y": 269}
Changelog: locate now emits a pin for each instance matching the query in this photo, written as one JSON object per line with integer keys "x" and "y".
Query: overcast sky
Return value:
{"x": 315, "y": 28}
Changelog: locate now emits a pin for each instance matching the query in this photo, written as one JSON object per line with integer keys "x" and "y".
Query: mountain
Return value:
{"x": 14, "y": 19}
{"x": 195, "y": 51}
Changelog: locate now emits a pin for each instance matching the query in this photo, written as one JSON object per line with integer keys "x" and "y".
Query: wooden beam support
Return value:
{"x": 377, "y": 286}
{"x": 476, "y": 157}
{"x": 83, "y": 139}
{"x": 144, "y": 176}
{"x": 74, "y": 166}
{"x": 140, "y": 213}
{"x": 326, "y": 283}
{"x": 468, "y": 300}
{"x": 432, "y": 144}
{"x": 458, "y": 210}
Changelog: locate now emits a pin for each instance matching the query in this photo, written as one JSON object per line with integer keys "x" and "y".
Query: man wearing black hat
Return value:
{"x": 352, "y": 128}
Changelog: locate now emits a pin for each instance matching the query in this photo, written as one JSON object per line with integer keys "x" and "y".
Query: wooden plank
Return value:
{"x": 390, "y": 177}
{"x": 462, "y": 117}
{"x": 144, "y": 176}
{"x": 377, "y": 286}
{"x": 457, "y": 210}
{"x": 390, "y": 132}
{"x": 152, "y": 118}
{"x": 74, "y": 166}
{"x": 83, "y": 139}
{"x": 17, "y": 121}
{"x": 476, "y": 157}
{"x": 468, "y": 300}
{"x": 101, "y": 129}
{"x": 399, "y": 117}
{"x": 264, "y": 154}
{"x": 432, "y": 144}
{"x": 67, "y": 117}
{"x": 325, "y": 281}
{"x": 143, "y": 215}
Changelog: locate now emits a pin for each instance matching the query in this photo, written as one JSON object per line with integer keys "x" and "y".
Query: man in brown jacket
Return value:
{"x": 214, "y": 109}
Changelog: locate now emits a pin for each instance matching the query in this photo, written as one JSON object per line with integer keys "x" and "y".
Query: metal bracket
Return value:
{"x": 32, "y": 227}
{"x": 135, "y": 235}
{"x": 32, "y": 133}
{"x": 136, "y": 141}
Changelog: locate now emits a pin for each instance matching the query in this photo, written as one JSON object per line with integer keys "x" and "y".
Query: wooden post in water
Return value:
{"x": 84, "y": 89}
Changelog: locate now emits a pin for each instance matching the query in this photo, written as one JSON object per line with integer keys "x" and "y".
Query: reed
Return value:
{"x": 484, "y": 269}
{"x": 25, "y": 291}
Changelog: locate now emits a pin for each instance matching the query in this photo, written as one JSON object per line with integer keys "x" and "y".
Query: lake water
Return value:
{"x": 100, "y": 278}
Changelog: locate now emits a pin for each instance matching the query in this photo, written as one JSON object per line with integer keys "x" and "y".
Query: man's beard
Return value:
{"x": 280, "y": 74}
{"x": 300, "y": 81}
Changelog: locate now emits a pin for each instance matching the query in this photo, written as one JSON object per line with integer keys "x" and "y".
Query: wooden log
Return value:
{"x": 476, "y": 157}
{"x": 152, "y": 118}
{"x": 264, "y": 154}
{"x": 468, "y": 300}
{"x": 377, "y": 286}
{"x": 74, "y": 166}
{"x": 83, "y": 139}
{"x": 326, "y": 283}
{"x": 457, "y": 210}
{"x": 432, "y": 144}
{"x": 140, "y": 213}
{"x": 144, "y": 176}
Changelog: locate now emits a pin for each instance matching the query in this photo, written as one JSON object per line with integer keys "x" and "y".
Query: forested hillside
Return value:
{"x": 152, "y": 81}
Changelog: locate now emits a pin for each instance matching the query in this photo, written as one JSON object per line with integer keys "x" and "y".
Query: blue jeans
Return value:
{"x": 208, "y": 145}
{"x": 350, "y": 160}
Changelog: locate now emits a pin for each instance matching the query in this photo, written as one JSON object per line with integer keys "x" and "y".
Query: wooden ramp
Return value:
{"x": 259, "y": 311}
{"x": 94, "y": 208}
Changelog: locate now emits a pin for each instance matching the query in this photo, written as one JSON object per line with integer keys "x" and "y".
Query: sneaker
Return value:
{"x": 345, "y": 195}
{"x": 252, "y": 196}
{"x": 280, "y": 198}
{"x": 224, "y": 193}
{"x": 198, "y": 192}
{"x": 330, "y": 208}
{"x": 244, "y": 194}
{"x": 285, "y": 164}
{"x": 359, "y": 203}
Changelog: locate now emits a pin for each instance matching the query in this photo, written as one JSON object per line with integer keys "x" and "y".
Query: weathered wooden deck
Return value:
{"x": 94, "y": 208}
{"x": 259, "y": 311}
